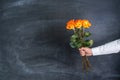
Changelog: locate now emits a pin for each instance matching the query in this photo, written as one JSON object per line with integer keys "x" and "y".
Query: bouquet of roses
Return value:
{"x": 80, "y": 37}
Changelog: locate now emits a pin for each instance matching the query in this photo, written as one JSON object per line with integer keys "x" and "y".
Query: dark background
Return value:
{"x": 34, "y": 44}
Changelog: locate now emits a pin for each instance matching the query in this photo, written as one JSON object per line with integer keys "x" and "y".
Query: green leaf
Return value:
{"x": 72, "y": 45}
{"x": 74, "y": 36}
{"x": 79, "y": 44}
{"x": 91, "y": 42}
{"x": 87, "y": 34}
{"x": 88, "y": 43}
{"x": 73, "y": 39}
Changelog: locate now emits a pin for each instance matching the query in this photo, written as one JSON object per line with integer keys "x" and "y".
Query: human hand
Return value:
{"x": 85, "y": 51}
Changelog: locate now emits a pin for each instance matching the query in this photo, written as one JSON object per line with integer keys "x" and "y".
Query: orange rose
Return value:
{"x": 78, "y": 23}
{"x": 86, "y": 24}
{"x": 70, "y": 24}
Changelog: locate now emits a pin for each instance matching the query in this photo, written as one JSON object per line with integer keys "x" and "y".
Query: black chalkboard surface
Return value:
{"x": 34, "y": 44}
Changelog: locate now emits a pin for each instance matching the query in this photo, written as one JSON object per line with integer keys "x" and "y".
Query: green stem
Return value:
{"x": 74, "y": 31}
{"x": 82, "y": 33}
{"x": 85, "y": 60}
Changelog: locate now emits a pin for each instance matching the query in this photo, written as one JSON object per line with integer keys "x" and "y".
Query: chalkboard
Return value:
{"x": 34, "y": 44}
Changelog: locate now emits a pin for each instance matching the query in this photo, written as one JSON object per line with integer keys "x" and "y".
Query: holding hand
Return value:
{"x": 85, "y": 51}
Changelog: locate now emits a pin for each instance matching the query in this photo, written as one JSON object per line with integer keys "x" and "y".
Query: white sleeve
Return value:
{"x": 108, "y": 48}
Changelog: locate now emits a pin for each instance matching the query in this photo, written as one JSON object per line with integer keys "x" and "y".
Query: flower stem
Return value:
{"x": 85, "y": 61}
{"x": 74, "y": 31}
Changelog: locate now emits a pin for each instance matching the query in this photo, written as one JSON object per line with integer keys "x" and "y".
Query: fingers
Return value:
{"x": 85, "y": 51}
{"x": 82, "y": 49}
{"x": 82, "y": 53}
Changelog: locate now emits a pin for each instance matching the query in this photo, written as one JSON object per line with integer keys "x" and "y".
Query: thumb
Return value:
{"x": 82, "y": 53}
